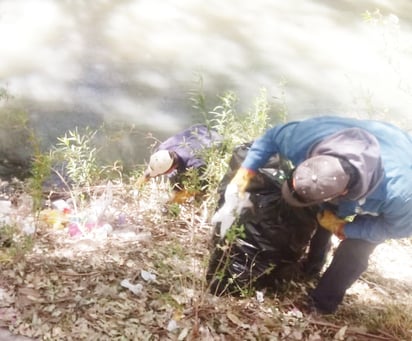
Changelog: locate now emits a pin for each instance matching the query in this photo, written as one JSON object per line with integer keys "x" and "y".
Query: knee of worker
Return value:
{"x": 355, "y": 252}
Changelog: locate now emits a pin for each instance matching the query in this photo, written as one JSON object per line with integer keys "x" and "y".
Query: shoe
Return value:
{"x": 311, "y": 270}
{"x": 313, "y": 309}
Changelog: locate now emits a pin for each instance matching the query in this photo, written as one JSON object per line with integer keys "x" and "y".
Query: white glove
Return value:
{"x": 234, "y": 203}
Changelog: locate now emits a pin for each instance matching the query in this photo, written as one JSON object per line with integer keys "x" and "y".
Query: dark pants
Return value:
{"x": 320, "y": 245}
{"x": 349, "y": 262}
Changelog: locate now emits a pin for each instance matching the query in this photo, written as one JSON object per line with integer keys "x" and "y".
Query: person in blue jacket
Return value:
{"x": 359, "y": 174}
{"x": 178, "y": 154}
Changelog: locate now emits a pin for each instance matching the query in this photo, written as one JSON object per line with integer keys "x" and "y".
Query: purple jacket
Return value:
{"x": 188, "y": 145}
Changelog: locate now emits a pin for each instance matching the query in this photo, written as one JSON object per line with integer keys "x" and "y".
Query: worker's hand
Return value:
{"x": 329, "y": 221}
{"x": 242, "y": 179}
{"x": 236, "y": 199}
{"x": 231, "y": 210}
{"x": 179, "y": 197}
{"x": 142, "y": 180}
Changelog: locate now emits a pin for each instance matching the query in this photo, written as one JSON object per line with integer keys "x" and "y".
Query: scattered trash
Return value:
{"x": 54, "y": 218}
{"x": 74, "y": 229}
{"x": 171, "y": 326}
{"x": 148, "y": 276}
{"x": 136, "y": 289}
{"x": 98, "y": 230}
{"x": 99, "y": 206}
{"x": 61, "y": 205}
{"x": 81, "y": 222}
{"x": 103, "y": 231}
{"x": 259, "y": 296}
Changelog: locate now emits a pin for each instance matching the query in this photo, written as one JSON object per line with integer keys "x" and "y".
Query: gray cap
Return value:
{"x": 317, "y": 179}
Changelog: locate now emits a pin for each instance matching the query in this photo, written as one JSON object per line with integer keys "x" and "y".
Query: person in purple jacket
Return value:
{"x": 180, "y": 153}
{"x": 359, "y": 175}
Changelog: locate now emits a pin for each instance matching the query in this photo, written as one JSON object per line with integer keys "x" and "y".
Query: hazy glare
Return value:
{"x": 73, "y": 62}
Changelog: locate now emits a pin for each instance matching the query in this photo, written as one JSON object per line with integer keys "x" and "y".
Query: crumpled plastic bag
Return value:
{"x": 134, "y": 288}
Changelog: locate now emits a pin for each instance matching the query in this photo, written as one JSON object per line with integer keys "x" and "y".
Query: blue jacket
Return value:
{"x": 384, "y": 209}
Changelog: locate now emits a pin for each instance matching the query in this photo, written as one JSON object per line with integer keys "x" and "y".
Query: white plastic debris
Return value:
{"x": 99, "y": 206}
{"x": 28, "y": 228}
{"x": 134, "y": 288}
{"x": 102, "y": 232}
{"x": 60, "y": 205}
{"x": 148, "y": 276}
{"x": 234, "y": 204}
{"x": 259, "y": 296}
{"x": 172, "y": 325}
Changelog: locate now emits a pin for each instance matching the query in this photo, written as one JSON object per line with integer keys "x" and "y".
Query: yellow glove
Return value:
{"x": 179, "y": 197}
{"x": 329, "y": 221}
{"x": 142, "y": 180}
{"x": 242, "y": 179}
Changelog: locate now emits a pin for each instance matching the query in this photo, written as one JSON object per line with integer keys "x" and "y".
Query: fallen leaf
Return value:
{"x": 340, "y": 335}
{"x": 234, "y": 319}
{"x": 183, "y": 334}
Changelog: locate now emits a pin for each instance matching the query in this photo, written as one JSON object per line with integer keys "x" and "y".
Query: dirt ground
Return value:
{"x": 5, "y": 335}
{"x": 73, "y": 287}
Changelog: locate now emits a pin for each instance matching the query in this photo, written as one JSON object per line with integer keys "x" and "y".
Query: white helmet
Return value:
{"x": 160, "y": 163}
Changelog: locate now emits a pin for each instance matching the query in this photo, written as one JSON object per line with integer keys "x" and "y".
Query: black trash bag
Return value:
{"x": 274, "y": 237}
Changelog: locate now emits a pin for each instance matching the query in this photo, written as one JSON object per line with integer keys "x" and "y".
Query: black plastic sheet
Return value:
{"x": 274, "y": 238}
